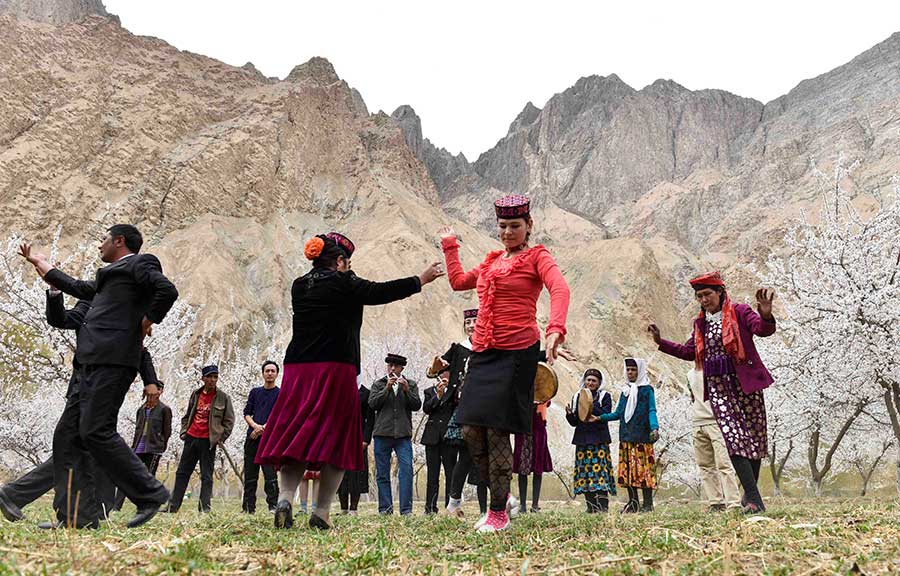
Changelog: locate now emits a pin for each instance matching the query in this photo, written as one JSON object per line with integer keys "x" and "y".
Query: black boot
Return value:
{"x": 590, "y": 499}
{"x": 648, "y": 500}
{"x": 284, "y": 516}
{"x": 633, "y": 503}
{"x": 602, "y": 502}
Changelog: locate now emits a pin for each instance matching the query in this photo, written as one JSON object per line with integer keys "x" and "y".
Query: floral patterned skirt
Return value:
{"x": 593, "y": 469}
{"x": 741, "y": 417}
{"x": 637, "y": 465}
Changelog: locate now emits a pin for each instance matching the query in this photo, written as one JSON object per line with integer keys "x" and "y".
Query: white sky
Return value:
{"x": 469, "y": 67}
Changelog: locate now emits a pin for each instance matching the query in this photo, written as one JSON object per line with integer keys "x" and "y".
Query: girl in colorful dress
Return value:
{"x": 499, "y": 395}
{"x": 593, "y": 462}
{"x": 734, "y": 375}
{"x": 316, "y": 423}
{"x": 638, "y": 430}
{"x": 531, "y": 456}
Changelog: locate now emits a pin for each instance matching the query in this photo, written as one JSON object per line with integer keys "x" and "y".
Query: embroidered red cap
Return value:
{"x": 343, "y": 242}
{"x": 708, "y": 279}
{"x": 512, "y": 206}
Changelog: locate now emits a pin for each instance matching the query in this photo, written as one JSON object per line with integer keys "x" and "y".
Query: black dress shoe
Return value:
{"x": 10, "y": 511}
{"x": 143, "y": 515}
{"x": 317, "y": 522}
{"x": 284, "y": 516}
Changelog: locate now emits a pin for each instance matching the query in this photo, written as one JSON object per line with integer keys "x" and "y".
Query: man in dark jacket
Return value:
{"x": 438, "y": 405}
{"x": 92, "y": 500}
{"x": 207, "y": 423}
{"x": 152, "y": 429}
{"x": 394, "y": 399}
{"x": 128, "y": 295}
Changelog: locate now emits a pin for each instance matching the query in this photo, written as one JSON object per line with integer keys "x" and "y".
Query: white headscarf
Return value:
{"x": 631, "y": 388}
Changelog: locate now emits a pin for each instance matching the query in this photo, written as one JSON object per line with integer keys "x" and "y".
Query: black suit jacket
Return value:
{"x": 72, "y": 319}
{"x": 120, "y": 296}
{"x": 439, "y": 411}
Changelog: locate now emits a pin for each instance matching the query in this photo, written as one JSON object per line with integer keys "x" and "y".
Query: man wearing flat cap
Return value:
{"x": 207, "y": 423}
{"x": 394, "y": 399}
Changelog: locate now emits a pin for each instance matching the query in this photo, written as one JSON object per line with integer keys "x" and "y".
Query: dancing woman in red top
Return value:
{"x": 506, "y": 344}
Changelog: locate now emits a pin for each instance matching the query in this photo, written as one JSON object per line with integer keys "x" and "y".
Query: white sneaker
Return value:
{"x": 512, "y": 506}
{"x": 481, "y": 521}
{"x": 454, "y": 508}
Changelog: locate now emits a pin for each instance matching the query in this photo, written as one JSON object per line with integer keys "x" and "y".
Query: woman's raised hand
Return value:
{"x": 654, "y": 333}
{"x": 447, "y": 232}
{"x": 764, "y": 298}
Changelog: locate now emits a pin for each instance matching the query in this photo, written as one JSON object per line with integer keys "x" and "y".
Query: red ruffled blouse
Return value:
{"x": 508, "y": 291}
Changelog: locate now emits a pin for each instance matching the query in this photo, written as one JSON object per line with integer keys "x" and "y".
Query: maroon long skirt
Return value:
{"x": 316, "y": 418}
{"x": 532, "y": 454}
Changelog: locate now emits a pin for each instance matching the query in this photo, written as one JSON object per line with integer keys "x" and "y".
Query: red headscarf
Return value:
{"x": 731, "y": 335}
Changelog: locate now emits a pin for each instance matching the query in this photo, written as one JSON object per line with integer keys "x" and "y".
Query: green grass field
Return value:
{"x": 795, "y": 537}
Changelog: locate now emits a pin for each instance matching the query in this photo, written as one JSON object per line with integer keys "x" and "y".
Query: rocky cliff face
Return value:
{"x": 55, "y": 11}
{"x": 706, "y": 169}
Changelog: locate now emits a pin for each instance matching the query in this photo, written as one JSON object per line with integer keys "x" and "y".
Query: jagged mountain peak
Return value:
{"x": 411, "y": 125}
{"x": 55, "y": 11}
{"x": 526, "y": 117}
{"x": 317, "y": 69}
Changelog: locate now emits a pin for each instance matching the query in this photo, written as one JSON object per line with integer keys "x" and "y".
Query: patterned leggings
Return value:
{"x": 492, "y": 455}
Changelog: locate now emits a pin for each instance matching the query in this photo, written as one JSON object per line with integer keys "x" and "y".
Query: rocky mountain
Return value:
{"x": 54, "y": 11}
{"x": 701, "y": 168}
{"x": 228, "y": 172}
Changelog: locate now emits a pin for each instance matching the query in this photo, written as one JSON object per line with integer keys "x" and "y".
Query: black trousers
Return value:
{"x": 39, "y": 480}
{"x": 195, "y": 450}
{"x": 32, "y": 485}
{"x": 437, "y": 456}
{"x": 89, "y": 423}
{"x": 151, "y": 461}
{"x": 251, "y": 478}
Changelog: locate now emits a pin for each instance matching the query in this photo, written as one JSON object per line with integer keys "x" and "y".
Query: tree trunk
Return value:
{"x": 890, "y": 396}
{"x": 818, "y": 474}
{"x": 776, "y": 467}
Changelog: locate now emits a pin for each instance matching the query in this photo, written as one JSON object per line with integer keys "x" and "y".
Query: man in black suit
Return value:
{"x": 92, "y": 502}
{"x": 128, "y": 297}
{"x": 439, "y": 406}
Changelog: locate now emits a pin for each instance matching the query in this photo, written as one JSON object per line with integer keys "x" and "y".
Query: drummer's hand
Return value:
{"x": 553, "y": 342}
{"x": 654, "y": 435}
{"x": 566, "y": 354}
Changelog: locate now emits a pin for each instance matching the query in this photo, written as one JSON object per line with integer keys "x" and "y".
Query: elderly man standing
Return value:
{"x": 394, "y": 399}
{"x": 207, "y": 423}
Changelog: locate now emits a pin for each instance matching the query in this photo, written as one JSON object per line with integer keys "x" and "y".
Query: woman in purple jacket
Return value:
{"x": 734, "y": 376}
